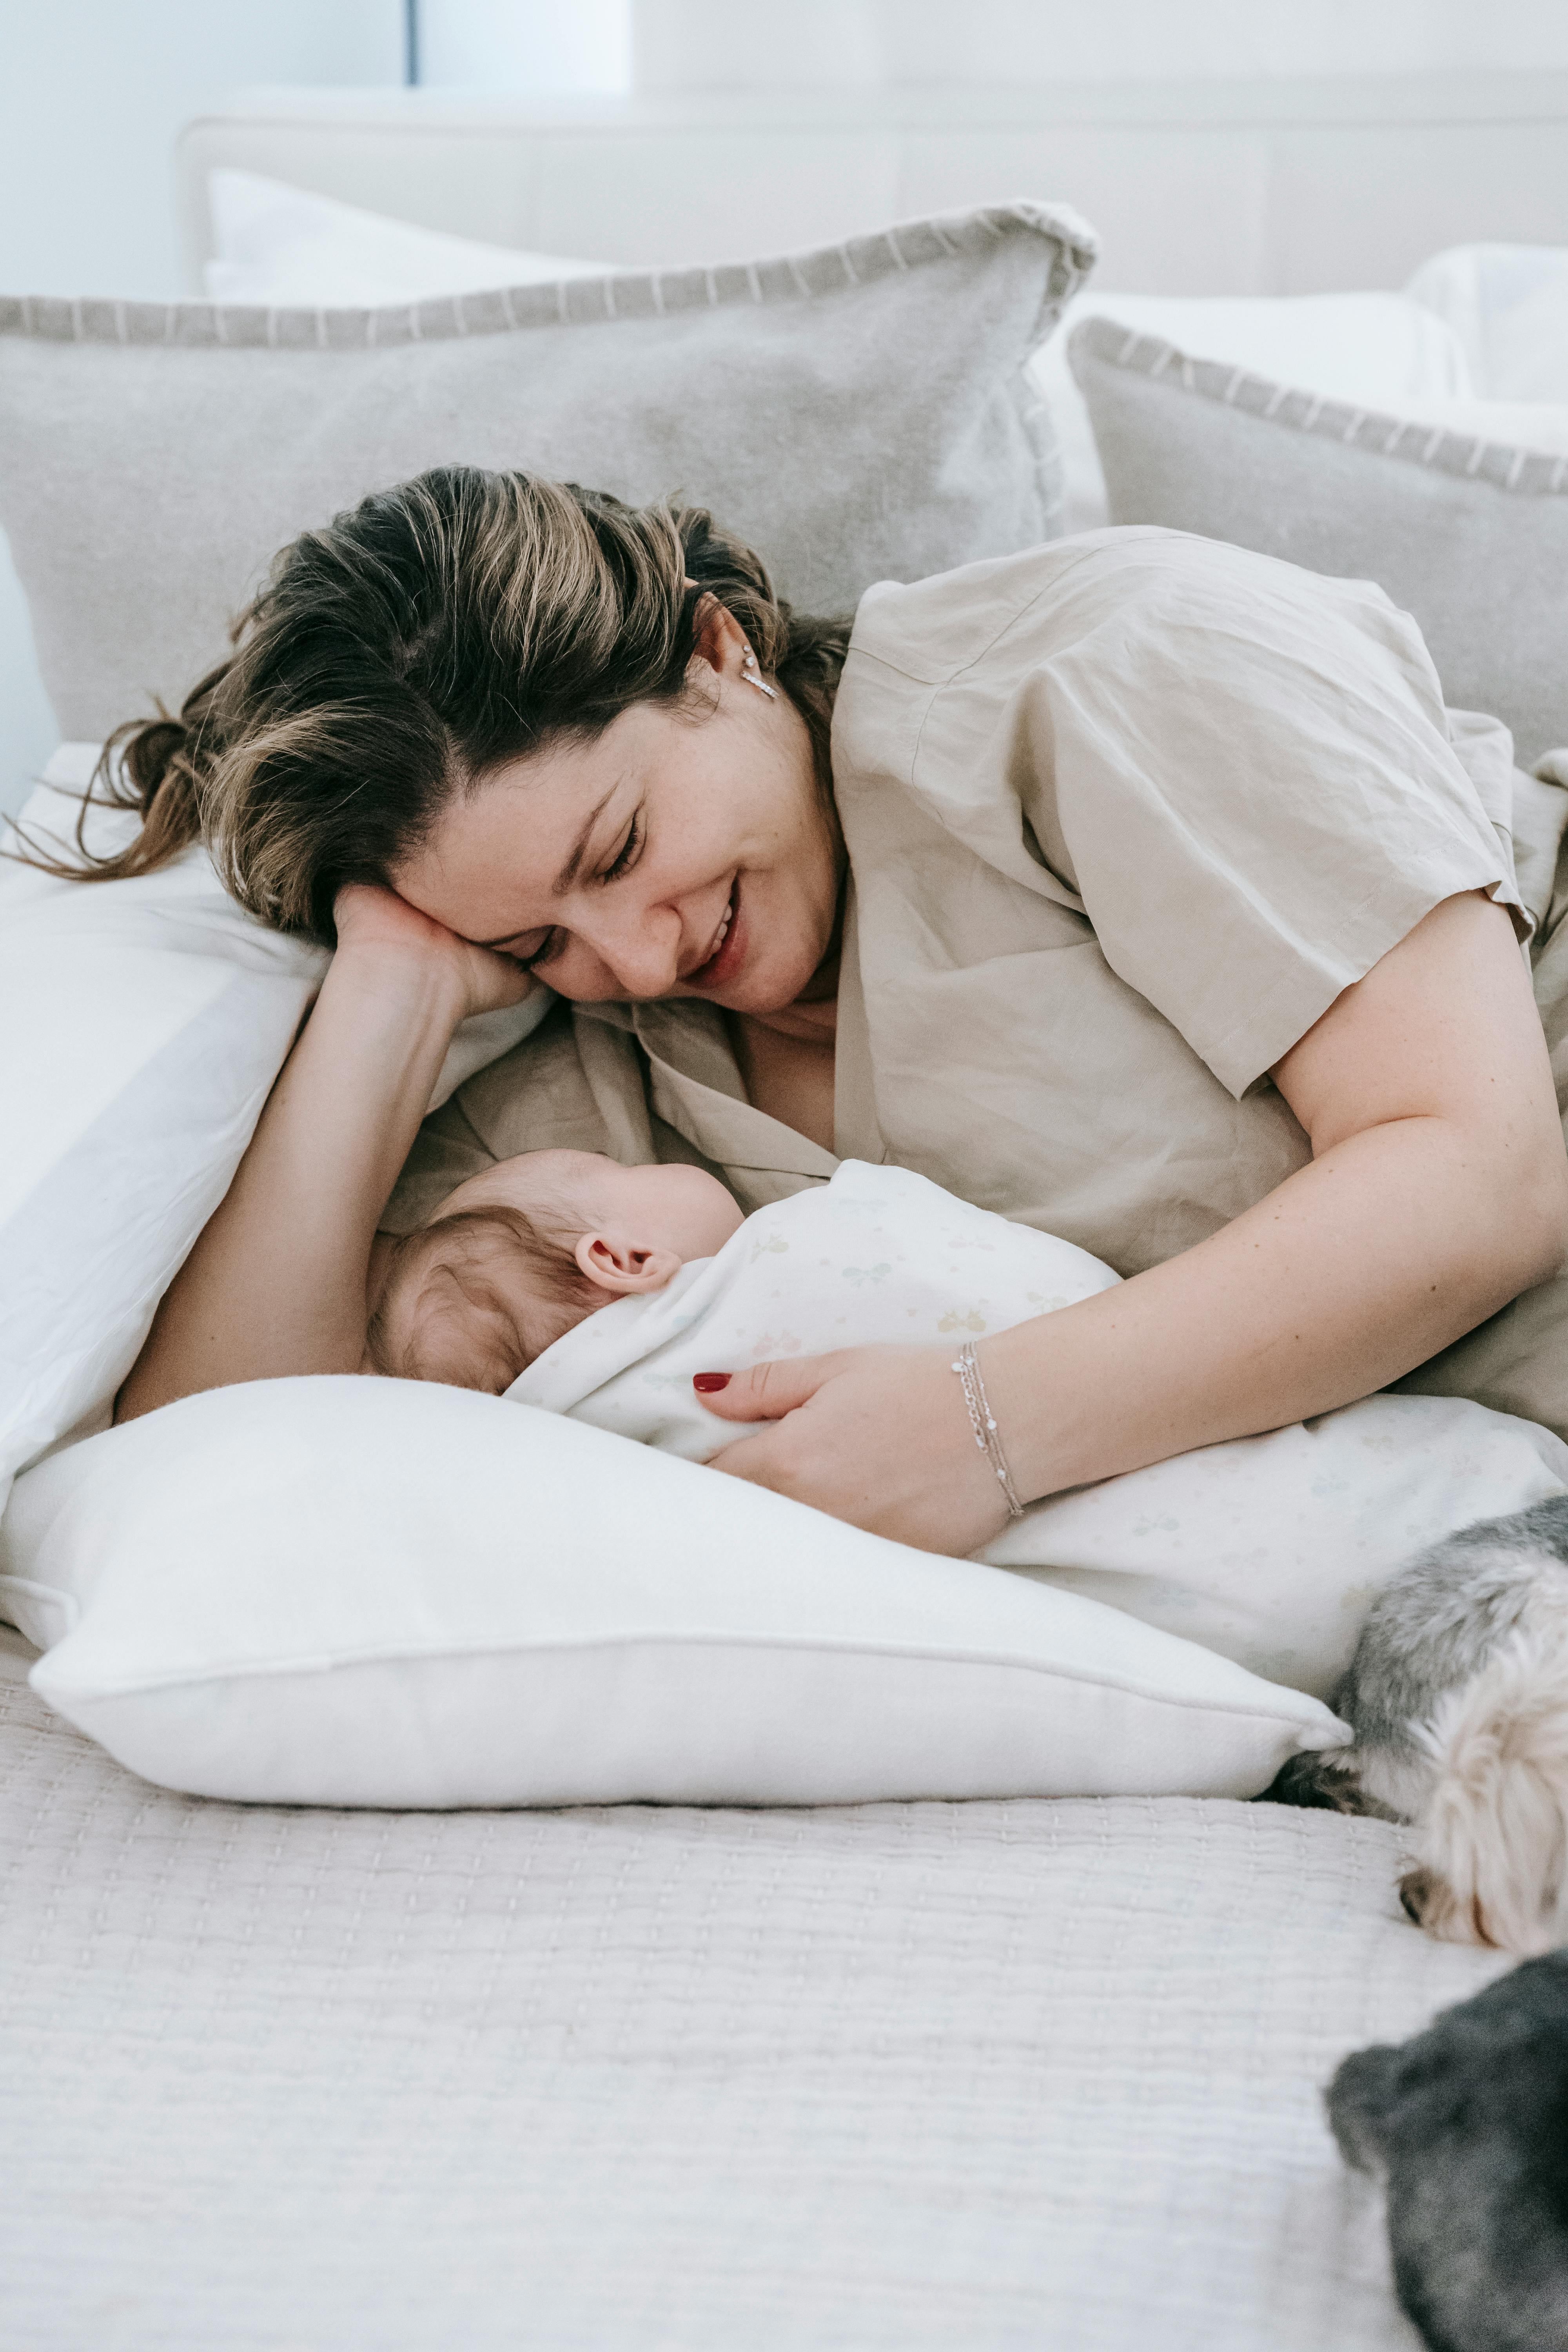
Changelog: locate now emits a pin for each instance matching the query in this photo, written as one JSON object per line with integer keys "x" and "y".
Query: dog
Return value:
{"x": 1458, "y": 1696}
{"x": 1468, "y": 2124}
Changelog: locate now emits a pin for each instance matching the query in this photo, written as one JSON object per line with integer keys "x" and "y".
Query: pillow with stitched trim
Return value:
{"x": 1466, "y": 531}
{"x": 857, "y": 414}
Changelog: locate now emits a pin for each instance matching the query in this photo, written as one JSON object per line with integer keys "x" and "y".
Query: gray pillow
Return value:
{"x": 857, "y": 414}
{"x": 1470, "y": 537}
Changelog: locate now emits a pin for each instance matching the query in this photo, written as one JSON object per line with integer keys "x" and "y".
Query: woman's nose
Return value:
{"x": 643, "y": 956}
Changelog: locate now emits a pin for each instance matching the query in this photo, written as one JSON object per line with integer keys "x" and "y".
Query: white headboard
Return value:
{"x": 1220, "y": 187}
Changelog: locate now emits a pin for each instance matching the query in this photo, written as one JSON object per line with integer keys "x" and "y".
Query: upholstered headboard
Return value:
{"x": 1219, "y": 187}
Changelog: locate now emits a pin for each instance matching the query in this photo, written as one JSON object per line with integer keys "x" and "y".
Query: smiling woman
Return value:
{"x": 530, "y": 710}
{"x": 1150, "y": 897}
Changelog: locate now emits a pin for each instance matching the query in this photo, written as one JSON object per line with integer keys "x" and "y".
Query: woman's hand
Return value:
{"x": 277, "y": 1283}
{"x": 373, "y": 922}
{"x": 880, "y": 1436}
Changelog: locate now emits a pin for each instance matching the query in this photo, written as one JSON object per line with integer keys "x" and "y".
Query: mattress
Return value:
{"x": 970, "y": 2076}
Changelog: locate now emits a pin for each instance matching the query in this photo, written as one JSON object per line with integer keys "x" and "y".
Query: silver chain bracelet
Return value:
{"x": 983, "y": 1420}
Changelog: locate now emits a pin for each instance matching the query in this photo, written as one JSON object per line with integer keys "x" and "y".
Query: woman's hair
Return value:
{"x": 437, "y": 631}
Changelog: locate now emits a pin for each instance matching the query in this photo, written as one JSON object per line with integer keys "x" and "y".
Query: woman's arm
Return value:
{"x": 1437, "y": 1191}
{"x": 277, "y": 1283}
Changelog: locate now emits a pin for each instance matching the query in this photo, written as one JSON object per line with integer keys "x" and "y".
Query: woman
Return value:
{"x": 1148, "y": 895}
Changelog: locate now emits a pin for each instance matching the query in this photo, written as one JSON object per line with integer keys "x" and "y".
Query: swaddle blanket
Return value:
{"x": 1268, "y": 1549}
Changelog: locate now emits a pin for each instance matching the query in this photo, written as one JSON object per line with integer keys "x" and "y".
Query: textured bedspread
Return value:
{"x": 961, "y": 2077}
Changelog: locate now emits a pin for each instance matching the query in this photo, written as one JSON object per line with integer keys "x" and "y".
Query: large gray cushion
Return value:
{"x": 1470, "y": 537}
{"x": 857, "y": 414}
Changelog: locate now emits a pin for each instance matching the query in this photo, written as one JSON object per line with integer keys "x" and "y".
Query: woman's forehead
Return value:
{"x": 502, "y": 854}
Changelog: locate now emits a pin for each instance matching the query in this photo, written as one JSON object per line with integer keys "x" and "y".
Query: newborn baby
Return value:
{"x": 515, "y": 1258}
{"x": 497, "y": 1291}
{"x": 567, "y": 1282}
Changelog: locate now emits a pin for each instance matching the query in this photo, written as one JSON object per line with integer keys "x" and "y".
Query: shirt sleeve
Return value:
{"x": 1246, "y": 773}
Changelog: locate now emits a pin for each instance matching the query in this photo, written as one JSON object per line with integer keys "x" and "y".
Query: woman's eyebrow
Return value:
{"x": 568, "y": 872}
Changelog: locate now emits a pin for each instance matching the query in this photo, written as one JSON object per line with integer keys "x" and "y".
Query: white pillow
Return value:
{"x": 1379, "y": 350}
{"x": 145, "y": 1022}
{"x": 1508, "y": 304}
{"x": 1271, "y": 1548}
{"x": 355, "y": 1591}
{"x": 282, "y": 246}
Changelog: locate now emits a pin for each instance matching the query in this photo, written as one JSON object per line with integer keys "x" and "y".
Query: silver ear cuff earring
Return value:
{"x": 753, "y": 676}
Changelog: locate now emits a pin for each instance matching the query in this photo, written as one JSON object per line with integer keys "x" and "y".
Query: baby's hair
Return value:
{"x": 450, "y": 1262}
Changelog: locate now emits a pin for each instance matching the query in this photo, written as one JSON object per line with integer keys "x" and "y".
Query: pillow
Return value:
{"x": 1379, "y": 350}
{"x": 146, "y": 1021}
{"x": 857, "y": 414}
{"x": 1468, "y": 534}
{"x": 1270, "y": 1549}
{"x": 1508, "y": 304}
{"x": 282, "y": 245}
{"x": 348, "y": 1591}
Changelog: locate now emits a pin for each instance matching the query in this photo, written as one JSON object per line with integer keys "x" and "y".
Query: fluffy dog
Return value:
{"x": 1470, "y": 2125}
{"x": 1458, "y": 1694}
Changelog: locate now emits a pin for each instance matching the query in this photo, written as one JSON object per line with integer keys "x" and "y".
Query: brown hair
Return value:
{"x": 450, "y": 1260}
{"x": 418, "y": 643}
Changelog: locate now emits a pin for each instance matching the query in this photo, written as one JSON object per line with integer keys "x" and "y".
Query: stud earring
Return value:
{"x": 753, "y": 676}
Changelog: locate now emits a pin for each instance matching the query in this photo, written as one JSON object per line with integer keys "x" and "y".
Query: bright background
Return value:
{"x": 94, "y": 90}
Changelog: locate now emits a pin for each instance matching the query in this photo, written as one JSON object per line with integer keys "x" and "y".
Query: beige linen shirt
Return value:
{"x": 1125, "y": 814}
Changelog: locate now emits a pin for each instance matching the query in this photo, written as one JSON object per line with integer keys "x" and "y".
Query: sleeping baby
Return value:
{"x": 564, "y": 1280}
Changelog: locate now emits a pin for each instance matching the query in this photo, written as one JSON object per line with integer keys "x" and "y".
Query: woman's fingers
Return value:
{"x": 371, "y": 920}
{"x": 764, "y": 1391}
{"x": 880, "y": 1436}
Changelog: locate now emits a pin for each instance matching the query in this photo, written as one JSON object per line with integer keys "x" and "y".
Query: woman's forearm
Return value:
{"x": 1359, "y": 1267}
{"x": 277, "y": 1283}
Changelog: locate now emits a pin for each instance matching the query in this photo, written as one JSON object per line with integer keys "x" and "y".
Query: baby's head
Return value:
{"x": 517, "y": 1256}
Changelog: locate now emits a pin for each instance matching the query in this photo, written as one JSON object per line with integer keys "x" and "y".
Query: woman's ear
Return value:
{"x": 621, "y": 1268}
{"x": 718, "y": 638}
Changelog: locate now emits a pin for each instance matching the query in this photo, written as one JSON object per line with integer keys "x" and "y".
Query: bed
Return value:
{"x": 962, "y": 2076}
{"x": 973, "y": 2077}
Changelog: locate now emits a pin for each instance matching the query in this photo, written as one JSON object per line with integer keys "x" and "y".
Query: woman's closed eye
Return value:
{"x": 626, "y": 856}
{"x": 531, "y": 948}
{"x": 554, "y": 942}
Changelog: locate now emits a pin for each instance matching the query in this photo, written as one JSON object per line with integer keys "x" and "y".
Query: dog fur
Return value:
{"x": 1469, "y": 2126}
{"x": 1458, "y": 1696}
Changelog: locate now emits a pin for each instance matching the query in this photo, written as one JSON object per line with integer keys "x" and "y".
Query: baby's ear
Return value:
{"x": 622, "y": 1269}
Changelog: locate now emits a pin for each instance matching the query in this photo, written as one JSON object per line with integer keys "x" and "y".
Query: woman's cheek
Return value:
{"x": 581, "y": 975}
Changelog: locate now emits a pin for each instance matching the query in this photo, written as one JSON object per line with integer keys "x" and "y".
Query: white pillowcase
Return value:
{"x": 145, "y": 1023}
{"x": 1378, "y": 350}
{"x": 1271, "y": 1548}
{"x": 355, "y": 1591}
{"x": 285, "y": 247}
{"x": 1508, "y": 304}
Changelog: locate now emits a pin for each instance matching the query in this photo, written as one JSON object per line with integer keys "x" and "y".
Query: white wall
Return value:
{"x": 91, "y": 94}
{"x": 720, "y": 44}
{"x": 541, "y": 46}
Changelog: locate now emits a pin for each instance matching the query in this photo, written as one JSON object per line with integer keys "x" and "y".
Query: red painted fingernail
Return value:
{"x": 707, "y": 1383}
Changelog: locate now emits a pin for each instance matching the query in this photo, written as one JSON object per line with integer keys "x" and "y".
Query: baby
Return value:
{"x": 565, "y": 1281}
{"x": 515, "y": 1258}
{"x": 569, "y": 1282}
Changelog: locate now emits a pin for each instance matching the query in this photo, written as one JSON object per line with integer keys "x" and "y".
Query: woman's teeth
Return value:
{"x": 722, "y": 930}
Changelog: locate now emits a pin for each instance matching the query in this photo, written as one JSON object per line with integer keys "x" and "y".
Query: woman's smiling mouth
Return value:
{"x": 725, "y": 956}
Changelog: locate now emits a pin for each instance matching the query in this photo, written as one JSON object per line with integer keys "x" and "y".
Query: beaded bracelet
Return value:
{"x": 983, "y": 1420}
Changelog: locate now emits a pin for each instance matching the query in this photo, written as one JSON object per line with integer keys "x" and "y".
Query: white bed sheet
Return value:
{"x": 972, "y": 2076}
